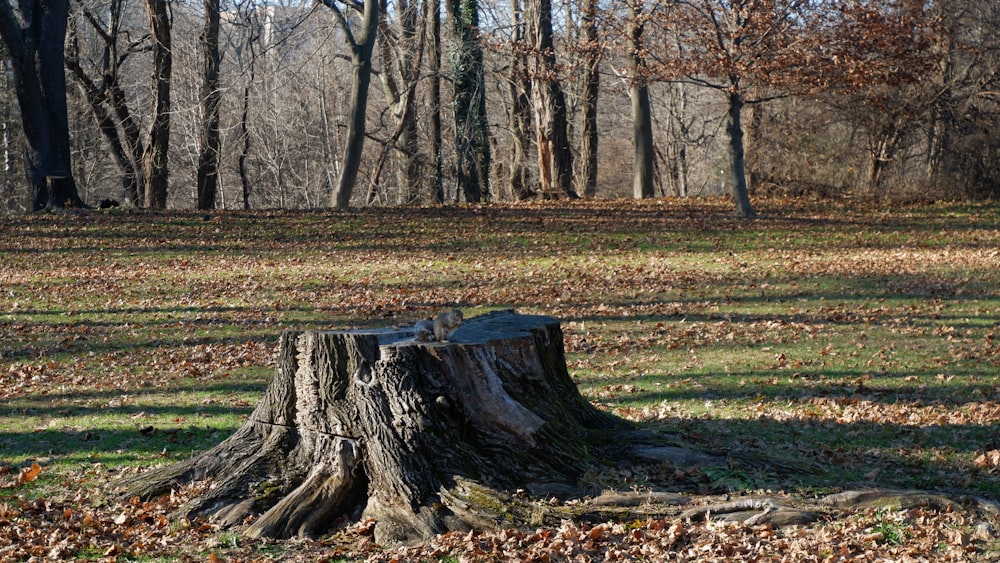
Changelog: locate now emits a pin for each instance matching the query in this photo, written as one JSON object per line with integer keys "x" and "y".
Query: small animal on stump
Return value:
{"x": 439, "y": 329}
{"x": 423, "y": 331}
{"x": 447, "y": 323}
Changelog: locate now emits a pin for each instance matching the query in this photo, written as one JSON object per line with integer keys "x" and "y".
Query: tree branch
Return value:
{"x": 342, "y": 21}
{"x": 10, "y": 31}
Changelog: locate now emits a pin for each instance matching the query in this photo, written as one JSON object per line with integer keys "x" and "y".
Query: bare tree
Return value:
{"x": 678, "y": 132}
{"x": 515, "y": 93}
{"x": 155, "y": 159}
{"x": 472, "y": 143}
{"x": 642, "y": 116}
{"x": 34, "y": 36}
{"x": 362, "y": 46}
{"x": 246, "y": 186}
{"x": 401, "y": 49}
{"x": 210, "y": 139}
{"x": 555, "y": 157}
{"x": 434, "y": 14}
{"x": 590, "y": 85}
{"x": 962, "y": 100}
{"x": 103, "y": 89}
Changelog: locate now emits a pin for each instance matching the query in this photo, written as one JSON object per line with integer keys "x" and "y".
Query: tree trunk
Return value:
{"x": 361, "y": 79}
{"x": 881, "y": 150}
{"x": 434, "y": 13}
{"x": 737, "y": 160}
{"x": 241, "y": 164}
{"x": 554, "y": 154}
{"x": 472, "y": 136}
{"x": 424, "y": 437}
{"x": 37, "y": 60}
{"x": 211, "y": 96}
{"x": 591, "y": 88}
{"x": 642, "y": 115}
{"x": 248, "y": 66}
{"x": 361, "y": 63}
{"x": 154, "y": 163}
{"x": 642, "y": 141}
{"x": 519, "y": 114}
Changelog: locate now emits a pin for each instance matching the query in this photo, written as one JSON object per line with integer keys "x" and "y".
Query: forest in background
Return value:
{"x": 890, "y": 99}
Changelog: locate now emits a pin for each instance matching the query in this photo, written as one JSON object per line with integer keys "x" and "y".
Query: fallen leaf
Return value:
{"x": 29, "y": 474}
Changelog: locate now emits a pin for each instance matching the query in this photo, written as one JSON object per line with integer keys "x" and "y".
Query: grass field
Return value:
{"x": 857, "y": 337}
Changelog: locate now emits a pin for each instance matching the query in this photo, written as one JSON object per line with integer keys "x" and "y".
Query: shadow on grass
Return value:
{"x": 147, "y": 423}
{"x": 910, "y": 386}
{"x": 54, "y": 404}
{"x": 850, "y": 451}
{"x": 824, "y": 455}
{"x": 112, "y": 445}
{"x": 777, "y": 455}
{"x": 393, "y": 228}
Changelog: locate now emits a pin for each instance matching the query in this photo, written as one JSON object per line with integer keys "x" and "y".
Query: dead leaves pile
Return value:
{"x": 912, "y": 535}
{"x": 75, "y": 527}
{"x": 78, "y": 526}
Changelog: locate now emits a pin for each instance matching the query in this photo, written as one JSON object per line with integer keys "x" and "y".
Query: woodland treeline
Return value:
{"x": 253, "y": 104}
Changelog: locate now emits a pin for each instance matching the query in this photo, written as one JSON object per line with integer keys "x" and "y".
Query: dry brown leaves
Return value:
{"x": 76, "y": 525}
{"x": 926, "y": 535}
{"x": 38, "y": 529}
{"x": 142, "y": 306}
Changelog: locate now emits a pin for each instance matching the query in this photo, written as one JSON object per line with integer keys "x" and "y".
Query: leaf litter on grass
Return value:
{"x": 860, "y": 338}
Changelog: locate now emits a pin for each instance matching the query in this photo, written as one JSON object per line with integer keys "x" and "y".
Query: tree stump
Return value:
{"x": 428, "y": 437}
{"x": 424, "y": 437}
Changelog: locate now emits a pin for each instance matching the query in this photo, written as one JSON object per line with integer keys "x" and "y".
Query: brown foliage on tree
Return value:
{"x": 753, "y": 51}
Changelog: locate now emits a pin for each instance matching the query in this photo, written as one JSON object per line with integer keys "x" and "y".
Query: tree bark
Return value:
{"x": 155, "y": 159}
{"x": 519, "y": 112}
{"x": 472, "y": 136}
{"x": 248, "y": 65}
{"x": 424, "y": 437}
{"x": 361, "y": 65}
{"x": 555, "y": 158}
{"x": 35, "y": 42}
{"x": 211, "y": 96}
{"x": 434, "y": 13}
{"x": 591, "y": 88}
{"x": 241, "y": 162}
{"x": 737, "y": 159}
{"x": 642, "y": 115}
